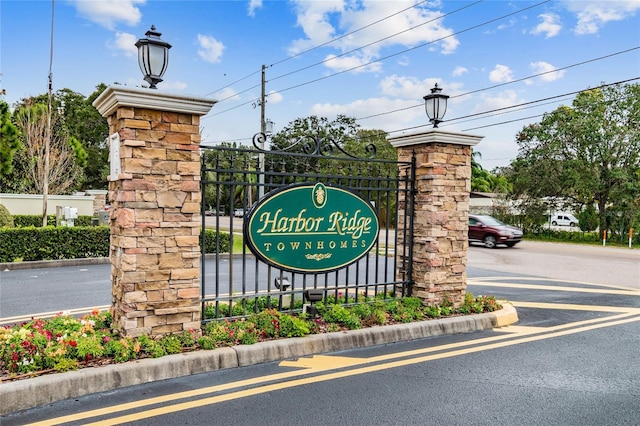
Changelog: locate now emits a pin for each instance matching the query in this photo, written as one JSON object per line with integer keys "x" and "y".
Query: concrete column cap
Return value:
{"x": 435, "y": 136}
{"x": 115, "y": 97}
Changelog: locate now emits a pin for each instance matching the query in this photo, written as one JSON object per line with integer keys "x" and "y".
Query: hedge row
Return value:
{"x": 579, "y": 237}
{"x": 54, "y": 243}
{"x": 25, "y": 220}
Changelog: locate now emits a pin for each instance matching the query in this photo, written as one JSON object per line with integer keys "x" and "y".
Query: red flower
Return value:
{"x": 72, "y": 343}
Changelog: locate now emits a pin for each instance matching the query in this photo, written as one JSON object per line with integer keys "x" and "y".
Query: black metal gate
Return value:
{"x": 235, "y": 283}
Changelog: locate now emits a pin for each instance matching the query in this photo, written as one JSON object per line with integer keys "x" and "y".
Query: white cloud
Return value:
{"x": 458, "y": 71}
{"x": 210, "y": 49}
{"x": 226, "y": 94}
{"x": 108, "y": 13}
{"x": 594, "y": 15}
{"x": 357, "y": 63}
{"x": 253, "y": 6}
{"x": 124, "y": 43}
{"x": 404, "y": 87}
{"x": 274, "y": 97}
{"x": 501, "y": 74}
{"x": 414, "y": 89}
{"x": 550, "y": 25}
{"x": 509, "y": 24}
{"x": 406, "y": 115}
{"x": 324, "y": 21}
{"x": 173, "y": 86}
{"x": 548, "y": 70}
{"x": 503, "y": 99}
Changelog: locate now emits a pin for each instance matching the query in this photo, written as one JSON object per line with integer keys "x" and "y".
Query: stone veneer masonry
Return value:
{"x": 441, "y": 212}
{"x": 155, "y": 210}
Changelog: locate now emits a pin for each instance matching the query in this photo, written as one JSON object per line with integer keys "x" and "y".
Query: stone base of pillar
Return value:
{"x": 155, "y": 210}
{"x": 441, "y": 212}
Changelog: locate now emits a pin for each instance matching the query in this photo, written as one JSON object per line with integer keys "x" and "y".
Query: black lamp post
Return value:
{"x": 153, "y": 57}
{"x": 435, "y": 104}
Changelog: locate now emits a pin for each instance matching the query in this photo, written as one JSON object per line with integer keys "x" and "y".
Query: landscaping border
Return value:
{"x": 47, "y": 389}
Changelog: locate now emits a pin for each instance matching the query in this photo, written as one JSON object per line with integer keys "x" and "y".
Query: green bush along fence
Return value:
{"x": 24, "y": 220}
{"x": 53, "y": 243}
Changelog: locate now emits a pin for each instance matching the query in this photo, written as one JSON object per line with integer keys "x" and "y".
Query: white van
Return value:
{"x": 563, "y": 219}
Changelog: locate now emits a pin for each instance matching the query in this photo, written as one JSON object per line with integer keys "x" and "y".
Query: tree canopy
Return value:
{"x": 79, "y": 132}
{"x": 9, "y": 139}
{"x": 485, "y": 181}
{"x": 585, "y": 154}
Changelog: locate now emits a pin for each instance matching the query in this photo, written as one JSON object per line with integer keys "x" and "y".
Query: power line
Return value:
{"x": 541, "y": 100}
{"x": 477, "y": 116}
{"x": 410, "y": 49}
{"x": 509, "y": 82}
{"x": 314, "y": 48}
{"x": 377, "y": 41}
{"x": 350, "y": 33}
{"x": 386, "y": 57}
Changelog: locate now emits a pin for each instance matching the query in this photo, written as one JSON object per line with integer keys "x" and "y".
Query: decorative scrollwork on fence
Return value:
{"x": 313, "y": 146}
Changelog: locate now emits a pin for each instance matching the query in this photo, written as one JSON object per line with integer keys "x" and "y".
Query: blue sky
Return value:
{"x": 373, "y": 60}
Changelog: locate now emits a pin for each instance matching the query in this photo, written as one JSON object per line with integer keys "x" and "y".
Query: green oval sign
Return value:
{"x": 311, "y": 228}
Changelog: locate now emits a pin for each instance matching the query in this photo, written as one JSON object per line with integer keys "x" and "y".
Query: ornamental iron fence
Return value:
{"x": 234, "y": 180}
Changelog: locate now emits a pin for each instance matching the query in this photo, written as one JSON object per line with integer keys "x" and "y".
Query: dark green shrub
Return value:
{"x": 340, "y": 315}
{"x": 171, "y": 344}
{"x": 26, "y": 220}
{"x": 51, "y": 243}
{"x": 293, "y": 326}
{"x": 5, "y": 217}
{"x": 216, "y": 242}
{"x": 30, "y": 243}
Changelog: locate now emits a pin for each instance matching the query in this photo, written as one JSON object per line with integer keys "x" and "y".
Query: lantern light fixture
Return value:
{"x": 153, "y": 57}
{"x": 435, "y": 105}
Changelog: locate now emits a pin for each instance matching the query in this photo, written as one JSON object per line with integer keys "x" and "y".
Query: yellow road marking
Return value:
{"x": 521, "y": 329}
{"x": 498, "y": 279}
{"x": 458, "y": 348}
{"x": 573, "y": 307}
{"x": 338, "y": 375}
{"x": 324, "y": 362}
{"x": 558, "y": 288}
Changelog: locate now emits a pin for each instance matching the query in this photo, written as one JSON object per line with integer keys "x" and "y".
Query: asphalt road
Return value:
{"x": 571, "y": 262}
{"x": 51, "y": 290}
{"x": 572, "y": 359}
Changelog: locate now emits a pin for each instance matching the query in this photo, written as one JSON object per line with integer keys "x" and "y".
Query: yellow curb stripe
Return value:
{"x": 338, "y": 375}
{"x": 458, "y": 348}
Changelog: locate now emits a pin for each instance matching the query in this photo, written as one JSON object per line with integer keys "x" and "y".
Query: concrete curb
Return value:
{"x": 29, "y": 393}
{"x": 37, "y": 264}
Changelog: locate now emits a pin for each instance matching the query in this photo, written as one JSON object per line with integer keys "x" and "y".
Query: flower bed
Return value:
{"x": 65, "y": 343}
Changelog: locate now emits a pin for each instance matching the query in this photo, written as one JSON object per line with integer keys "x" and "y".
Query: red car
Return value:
{"x": 490, "y": 231}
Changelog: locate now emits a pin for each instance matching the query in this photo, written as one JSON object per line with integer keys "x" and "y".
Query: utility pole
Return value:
{"x": 47, "y": 146}
{"x": 263, "y": 129}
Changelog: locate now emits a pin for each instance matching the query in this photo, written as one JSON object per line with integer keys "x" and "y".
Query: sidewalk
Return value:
{"x": 29, "y": 393}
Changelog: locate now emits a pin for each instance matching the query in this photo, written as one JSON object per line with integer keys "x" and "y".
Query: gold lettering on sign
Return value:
{"x": 286, "y": 225}
{"x": 355, "y": 226}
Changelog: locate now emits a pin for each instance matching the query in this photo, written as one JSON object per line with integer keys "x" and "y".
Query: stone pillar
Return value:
{"x": 441, "y": 211}
{"x": 154, "y": 192}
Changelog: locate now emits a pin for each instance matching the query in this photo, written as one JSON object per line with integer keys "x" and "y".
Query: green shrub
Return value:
{"x": 5, "y": 217}
{"x": 216, "y": 242}
{"x": 171, "y": 344}
{"x": 51, "y": 243}
{"x": 26, "y": 220}
{"x": 31, "y": 243}
{"x": 293, "y": 326}
{"x": 340, "y": 315}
